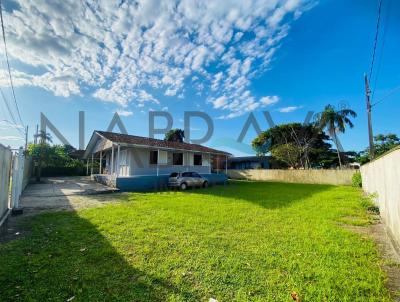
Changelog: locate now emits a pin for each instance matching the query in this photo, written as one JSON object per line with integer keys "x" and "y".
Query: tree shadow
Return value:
{"x": 265, "y": 194}
{"x": 64, "y": 257}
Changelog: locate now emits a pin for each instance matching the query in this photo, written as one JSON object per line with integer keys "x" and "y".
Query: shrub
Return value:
{"x": 357, "y": 180}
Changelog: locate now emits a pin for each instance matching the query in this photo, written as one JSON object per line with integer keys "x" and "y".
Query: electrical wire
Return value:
{"x": 376, "y": 39}
{"x": 391, "y": 92}
{"x": 382, "y": 47}
{"x": 8, "y": 63}
{"x": 14, "y": 123}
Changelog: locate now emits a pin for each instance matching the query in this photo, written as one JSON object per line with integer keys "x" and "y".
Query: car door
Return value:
{"x": 197, "y": 179}
{"x": 187, "y": 177}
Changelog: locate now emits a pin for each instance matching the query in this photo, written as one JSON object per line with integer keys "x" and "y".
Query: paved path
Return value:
{"x": 65, "y": 193}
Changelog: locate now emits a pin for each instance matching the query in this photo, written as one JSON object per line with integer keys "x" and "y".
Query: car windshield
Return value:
{"x": 174, "y": 174}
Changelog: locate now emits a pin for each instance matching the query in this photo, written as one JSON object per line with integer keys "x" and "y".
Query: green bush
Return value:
{"x": 357, "y": 180}
{"x": 55, "y": 160}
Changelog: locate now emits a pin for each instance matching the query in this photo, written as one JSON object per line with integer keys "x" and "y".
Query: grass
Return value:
{"x": 242, "y": 242}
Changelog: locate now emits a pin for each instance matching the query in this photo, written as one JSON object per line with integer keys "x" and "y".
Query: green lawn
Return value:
{"x": 240, "y": 242}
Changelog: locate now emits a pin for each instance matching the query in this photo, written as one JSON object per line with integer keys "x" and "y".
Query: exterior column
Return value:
{"x": 158, "y": 158}
{"x": 112, "y": 159}
{"x": 101, "y": 162}
{"x": 87, "y": 166}
{"x": 118, "y": 150}
{"x": 226, "y": 165}
{"x": 217, "y": 164}
{"x": 91, "y": 166}
{"x": 209, "y": 162}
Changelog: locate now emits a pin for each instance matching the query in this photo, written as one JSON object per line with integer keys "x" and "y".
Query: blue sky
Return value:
{"x": 227, "y": 59}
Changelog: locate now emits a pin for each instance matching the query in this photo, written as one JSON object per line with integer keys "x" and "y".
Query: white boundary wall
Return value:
{"x": 382, "y": 177}
{"x": 329, "y": 177}
{"x": 5, "y": 169}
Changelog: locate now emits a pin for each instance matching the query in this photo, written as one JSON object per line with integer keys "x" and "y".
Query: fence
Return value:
{"x": 382, "y": 178}
{"x": 5, "y": 173}
{"x": 14, "y": 176}
{"x": 331, "y": 177}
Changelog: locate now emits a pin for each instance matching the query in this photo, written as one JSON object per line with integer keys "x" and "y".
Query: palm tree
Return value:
{"x": 335, "y": 121}
{"x": 43, "y": 137}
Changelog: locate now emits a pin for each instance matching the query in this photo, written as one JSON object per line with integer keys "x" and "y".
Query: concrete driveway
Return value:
{"x": 65, "y": 193}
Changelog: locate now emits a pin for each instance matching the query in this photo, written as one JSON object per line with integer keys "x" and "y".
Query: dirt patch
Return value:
{"x": 388, "y": 250}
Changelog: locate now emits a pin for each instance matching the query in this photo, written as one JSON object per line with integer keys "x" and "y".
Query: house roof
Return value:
{"x": 152, "y": 142}
{"x": 248, "y": 158}
{"x": 77, "y": 154}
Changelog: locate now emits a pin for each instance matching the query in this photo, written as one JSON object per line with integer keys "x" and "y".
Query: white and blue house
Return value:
{"x": 135, "y": 163}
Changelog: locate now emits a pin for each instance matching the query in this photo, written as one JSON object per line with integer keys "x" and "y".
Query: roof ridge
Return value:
{"x": 168, "y": 144}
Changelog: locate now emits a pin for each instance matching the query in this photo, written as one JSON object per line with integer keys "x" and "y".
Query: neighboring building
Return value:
{"x": 77, "y": 154}
{"x": 131, "y": 162}
{"x": 248, "y": 162}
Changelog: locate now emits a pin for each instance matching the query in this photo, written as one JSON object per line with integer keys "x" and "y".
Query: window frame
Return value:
{"x": 173, "y": 158}
{"x": 156, "y": 157}
{"x": 201, "y": 159}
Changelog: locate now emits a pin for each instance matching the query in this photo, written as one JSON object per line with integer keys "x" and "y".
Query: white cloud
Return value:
{"x": 289, "y": 109}
{"x": 6, "y": 125}
{"x": 124, "y": 113}
{"x": 124, "y": 50}
{"x": 220, "y": 102}
{"x": 11, "y": 138}
{"x": 269, "y": 100}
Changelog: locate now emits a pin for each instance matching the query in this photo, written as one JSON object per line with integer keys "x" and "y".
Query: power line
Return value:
{"x": 376, "y": 39}
{"x": 394, "y": 90}
{"x": 14, "y": 123}
{"x": 380, "y": 58}
{"x": 8, "y": 63}
{"x": 8, "y": 106}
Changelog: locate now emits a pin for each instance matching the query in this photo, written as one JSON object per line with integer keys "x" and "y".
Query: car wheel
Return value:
{"x": 205, "y": 184}
{"x": 183, "y": 186}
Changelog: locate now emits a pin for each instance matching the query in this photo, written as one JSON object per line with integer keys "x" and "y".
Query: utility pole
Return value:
{"x": 36, "y": 135}
{"x": 26, "y": 138}
{"x": 370, "y": 133}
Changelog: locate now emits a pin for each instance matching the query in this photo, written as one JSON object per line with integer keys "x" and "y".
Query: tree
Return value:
{"x": 54, "y": 160}
{"x": 43, "y": 137}
{"x": 335, "y": 121}
{"x": 40, "y": 151}
{"x": 308, "y": 139}
{"x": 175, "y": 135}
{"x": 382, "y": 143}
{"x": 288, "y": 153}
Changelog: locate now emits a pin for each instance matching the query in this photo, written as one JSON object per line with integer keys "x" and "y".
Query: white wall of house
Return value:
{"x": 140, "y": 162}
{"x": 136, "y": 161}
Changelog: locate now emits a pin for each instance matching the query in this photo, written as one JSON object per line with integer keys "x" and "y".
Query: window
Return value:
{"x": 177, "y": 159}
{"x": 153, "y": 157}
{"x": 186, "y": 174}
{"x": 194, "y": 174}
{"x": 197, "y": 159}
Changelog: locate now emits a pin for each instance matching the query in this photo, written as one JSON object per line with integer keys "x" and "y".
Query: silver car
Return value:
{"x": 183, "y": 180}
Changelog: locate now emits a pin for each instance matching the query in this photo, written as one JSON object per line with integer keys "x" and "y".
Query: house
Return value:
{"x": 135, "y": 163}
{"x": 249, "y": 162}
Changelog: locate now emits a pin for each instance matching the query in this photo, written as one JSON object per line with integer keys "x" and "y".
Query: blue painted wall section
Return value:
{"x": 158, "y": 183}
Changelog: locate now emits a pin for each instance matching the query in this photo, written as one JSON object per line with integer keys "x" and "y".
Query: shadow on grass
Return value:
{"x": 279, "y": 195}
{"x": 65, "y": 256}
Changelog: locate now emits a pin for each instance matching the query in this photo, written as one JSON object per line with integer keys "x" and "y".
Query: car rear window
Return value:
{"x": 174, "y": 174}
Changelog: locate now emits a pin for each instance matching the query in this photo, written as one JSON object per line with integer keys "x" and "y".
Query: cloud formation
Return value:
{"x": 289, "y": 109}
{"x": 121, "y": 51}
